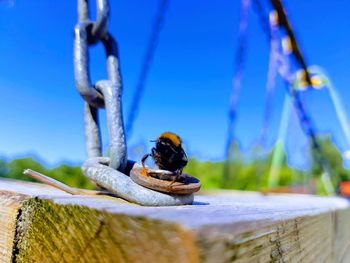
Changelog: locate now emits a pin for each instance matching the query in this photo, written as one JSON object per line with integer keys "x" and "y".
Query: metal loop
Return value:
{"x": 83, "y": 10}
{"x": 108, "y": 91}
{"x": 92, "y": 132}
{"x": 113, "y": 69}
{"x": 99, "y": 27}
{"x": 81, "y": 67}
{"x": 117, "y": 142}
{"x": 124, "y": 187}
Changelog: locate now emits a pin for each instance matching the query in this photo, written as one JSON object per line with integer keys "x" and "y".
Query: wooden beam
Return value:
{"x": 9, "y": 209}
{"x": 41, "y": 224}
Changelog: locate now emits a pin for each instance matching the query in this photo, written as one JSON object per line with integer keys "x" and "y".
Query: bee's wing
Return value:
{"x": 184, "y": 156}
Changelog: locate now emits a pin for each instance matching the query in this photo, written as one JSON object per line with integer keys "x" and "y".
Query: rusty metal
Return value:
{"x": 185, "y": 185}
{"x": 161, "y": 174}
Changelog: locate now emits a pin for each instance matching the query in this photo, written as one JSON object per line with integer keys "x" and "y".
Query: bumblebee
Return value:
{"x": 168, "y": 153}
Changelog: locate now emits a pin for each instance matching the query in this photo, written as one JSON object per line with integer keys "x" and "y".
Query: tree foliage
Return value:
{"x": 236, "y": 173}
{"x": 70, "y": 175}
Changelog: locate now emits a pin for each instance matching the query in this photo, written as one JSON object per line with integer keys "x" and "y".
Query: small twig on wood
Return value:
{"x": 57, "y": 184}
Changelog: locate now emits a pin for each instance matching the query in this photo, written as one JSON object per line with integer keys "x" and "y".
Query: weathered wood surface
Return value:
{"x": 41, "y": 224}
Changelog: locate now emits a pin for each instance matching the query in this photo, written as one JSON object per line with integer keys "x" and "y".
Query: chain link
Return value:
{"x": 99, "y": 27}
{"x": 108, "y": 93}
{"x": 105, "y": 93}
{"x": 81, "y": 67}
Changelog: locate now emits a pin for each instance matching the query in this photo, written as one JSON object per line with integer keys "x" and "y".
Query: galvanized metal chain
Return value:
{"x": 105, "y": 93}
{"x": 110, "y": 173}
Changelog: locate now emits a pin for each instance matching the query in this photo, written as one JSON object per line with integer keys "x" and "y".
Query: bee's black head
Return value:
{"x": 169, "y": 153}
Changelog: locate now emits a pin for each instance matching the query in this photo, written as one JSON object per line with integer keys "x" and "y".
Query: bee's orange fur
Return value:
{"x": 172, "y": 137}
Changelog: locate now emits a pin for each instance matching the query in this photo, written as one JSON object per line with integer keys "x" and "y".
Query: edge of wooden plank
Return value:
{"x": 10, "y": 205}
{"x": 93, "y": 225}
{"x": 49, "y": 232}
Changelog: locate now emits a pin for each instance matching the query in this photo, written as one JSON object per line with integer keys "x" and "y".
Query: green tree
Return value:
{"x": 70, "y": 175}
{"x": 16, "y": 167}
{"x": 334, "y": 159}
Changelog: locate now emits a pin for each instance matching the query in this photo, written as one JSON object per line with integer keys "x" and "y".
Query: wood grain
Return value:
{"x": 41, "y": 224}
{"x": 9, "y": 209}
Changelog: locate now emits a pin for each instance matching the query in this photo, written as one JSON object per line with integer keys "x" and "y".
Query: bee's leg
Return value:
{"x": 144, "y": 159}
{"x": 178, "y": 174}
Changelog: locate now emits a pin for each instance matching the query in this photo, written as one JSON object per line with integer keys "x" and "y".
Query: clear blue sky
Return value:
{"x": 189, "y": 84}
